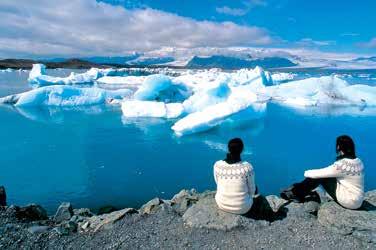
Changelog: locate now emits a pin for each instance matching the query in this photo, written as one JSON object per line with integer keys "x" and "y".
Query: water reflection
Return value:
{"x": 51, "y": 114}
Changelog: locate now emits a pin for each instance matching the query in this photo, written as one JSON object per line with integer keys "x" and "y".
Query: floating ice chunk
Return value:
{"x": 8, "y": 70}
{"x": 161, "y": 88}
{"x": 213, "y": 115}
{"x": 121, "y": 80}
{"x": 151, "y": 109}
{"x": 63, "y": 96}
{"x": 37, "y": 71}
{"x": 360, "y": 94}
{"x": 210, "y": 95}
{"x": 118, "y": 94}
{"x": 327, "y": 90}
{"x": 38, "y": 76}
{"x": 282, "y": 77}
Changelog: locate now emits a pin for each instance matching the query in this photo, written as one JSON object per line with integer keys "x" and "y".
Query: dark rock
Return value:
{"x": 269, "y": 208}
{"x": 106, "y": 210}
{"x": 77, "y": 218}
{"x": 151, "y": 207}
{"x": 11, "y": 211}
{"x": 66, "y": 228}
{"x": 359, "y": 223}
{"x": 3, "y": 196}
{"x": 205, "y": 214}
{"x": 38, "y": 229}
{"x": 31, "y": 212}
{"x": 84, "y": 212}
{"x": 64, "y": 212}
{"x": 302, "y": 210}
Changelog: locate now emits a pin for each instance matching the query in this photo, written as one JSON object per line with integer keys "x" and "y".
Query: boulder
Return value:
{"x": 275, "y": 202}
{"x": 66, "y": 228}
{"x": 360, "y": 223}
{"x": 205, "y": 214}
{"x": 64, "y": 212}
{"x": 105, "y": 220}
{"x": 84, "y": 212}
{"x": 3, "y": 197}
{"x": 183, "y": 200}
{"x": 151, "y": 206}
{"x": 31, "y": 212}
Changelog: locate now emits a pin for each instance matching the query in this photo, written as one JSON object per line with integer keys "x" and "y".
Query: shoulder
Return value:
{"x": 349, "y": 166}
{"x": 219, "y": 163}
{"x": 247, "y": 166}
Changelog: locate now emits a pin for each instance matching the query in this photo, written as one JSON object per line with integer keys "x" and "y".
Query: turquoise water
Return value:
{"x": 93, "y": 157}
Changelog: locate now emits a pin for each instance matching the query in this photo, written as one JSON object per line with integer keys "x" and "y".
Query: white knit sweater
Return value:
{"x": 235, "y": 186}
{"x": 350, "y": 181}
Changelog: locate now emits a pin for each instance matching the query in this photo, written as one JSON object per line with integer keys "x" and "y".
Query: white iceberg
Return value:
{"x": 122, "y": 80}
{"x": 151, "y": 109}
{"x": 67, "y": 96}
{"x": 213, "y": 115}
{"x": 257, "y": 77}
{"x": 8, "y": 70}
{"x": 282, "y": 77}
{"x": 161, "y": 88}
{"x": 216, "y": 93}
{"x": 38, "y": 76}
{"x": 326, "y": 90}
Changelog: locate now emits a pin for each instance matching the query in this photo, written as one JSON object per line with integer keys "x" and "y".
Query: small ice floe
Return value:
{"x": 64, "y": 96}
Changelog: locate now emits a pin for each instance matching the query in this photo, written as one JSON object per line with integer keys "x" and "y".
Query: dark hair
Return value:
{"x": 346, "y": 145}
{"x": 235, "y": 148}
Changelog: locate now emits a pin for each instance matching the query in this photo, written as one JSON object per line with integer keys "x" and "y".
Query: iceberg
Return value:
{"x": 214, "y": 115}
{"x": 210, "y": 95}
{"x": 8, "y": 70}
{"x": 151, "y": 109}
{"x": 161, "y": 88}
{"x": 67, "y": 96}
{"x": 326, "y": 90}
{"x": 38, "y": 76}
{"x": 282, "y": 77}
{"x": 121, "y": 80}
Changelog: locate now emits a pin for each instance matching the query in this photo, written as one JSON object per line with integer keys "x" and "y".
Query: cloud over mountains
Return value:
{"x": 88, "y": 27}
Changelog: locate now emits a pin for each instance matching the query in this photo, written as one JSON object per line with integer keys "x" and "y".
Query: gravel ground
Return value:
{"x": 165, "y": 229}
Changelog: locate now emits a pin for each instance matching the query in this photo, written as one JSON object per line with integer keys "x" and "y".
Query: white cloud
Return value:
{"x": 371, "y": 44}
{"x": 247, "y": 6}
{"x": 87, "y": 27}
{"x": 309, "y": 42}
{"x": 232, "y": 11}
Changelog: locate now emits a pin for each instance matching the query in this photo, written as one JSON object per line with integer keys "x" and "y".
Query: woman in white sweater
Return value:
{"x": 235, "y": 181}
{"x": 343, "y": 180}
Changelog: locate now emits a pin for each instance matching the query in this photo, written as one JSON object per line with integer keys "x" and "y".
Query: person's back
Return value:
{"x": 343, "y": 180}
{"x": 235, "y": 181}
{"x": 349, "y": 174}
{"x": 235, "y": 186}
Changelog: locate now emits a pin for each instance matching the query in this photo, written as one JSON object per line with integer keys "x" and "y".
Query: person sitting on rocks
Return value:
{"x": 235, "y": 181}
{"x": 343, "y": 180}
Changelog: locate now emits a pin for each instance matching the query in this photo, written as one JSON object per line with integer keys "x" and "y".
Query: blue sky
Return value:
{"x": 113, "y": 27}
{"x": 340, "y": 23}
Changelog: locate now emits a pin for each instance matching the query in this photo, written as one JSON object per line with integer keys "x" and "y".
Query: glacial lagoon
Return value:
{"x": 93, "y": 156}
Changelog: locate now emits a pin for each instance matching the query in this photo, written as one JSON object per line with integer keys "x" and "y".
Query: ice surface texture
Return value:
{"x": 64, "y": 96}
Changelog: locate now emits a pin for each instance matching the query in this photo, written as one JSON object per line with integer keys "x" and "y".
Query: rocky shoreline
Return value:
{"x": 192, "y": 220}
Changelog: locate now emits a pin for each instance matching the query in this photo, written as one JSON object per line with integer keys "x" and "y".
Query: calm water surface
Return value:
{"x": 94, "y": 157}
